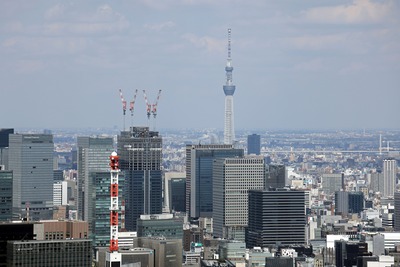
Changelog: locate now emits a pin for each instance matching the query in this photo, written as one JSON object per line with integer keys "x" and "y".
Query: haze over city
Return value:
{"x": 297, "y": 64}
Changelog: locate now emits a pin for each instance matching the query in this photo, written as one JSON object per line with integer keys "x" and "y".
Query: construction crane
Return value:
{"x": 132, "y": 103}
{"x": 154, "y": 109}
{"x": 123, "y": 102}
{"x": 148, "y": 105}
{"x": 123, "y": 106}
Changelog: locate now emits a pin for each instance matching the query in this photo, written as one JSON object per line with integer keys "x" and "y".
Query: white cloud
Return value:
{"x": 209, "y": 43}
{"x": 160, "y": 26}
{"x": 359, "y": 11}
{"x": 55, "y": 12}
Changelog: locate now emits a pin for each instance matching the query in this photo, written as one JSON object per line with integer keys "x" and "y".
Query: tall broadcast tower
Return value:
{"x": 229, "y": 90}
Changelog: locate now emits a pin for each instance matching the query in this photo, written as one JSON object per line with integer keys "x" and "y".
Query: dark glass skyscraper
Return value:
{"x": 253, "y": 144}
{"x": 177, "y": 194}
{"x": 6, "y": 180}
{"x": 140, "y": 152}
{"x": 199, "y": 176}
{"x": 275, "y": 176}
{"x": 276, "y": 217}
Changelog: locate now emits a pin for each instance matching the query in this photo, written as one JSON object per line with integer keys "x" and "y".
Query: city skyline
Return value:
{"x": 298, "y": 65}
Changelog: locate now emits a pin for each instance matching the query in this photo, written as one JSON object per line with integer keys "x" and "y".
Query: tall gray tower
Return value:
{"x": 229, "y": 90}
{"x": 31, "y": 160}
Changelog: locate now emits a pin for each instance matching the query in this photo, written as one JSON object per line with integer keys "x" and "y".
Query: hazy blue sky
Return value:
{"x": 297, "y": 64}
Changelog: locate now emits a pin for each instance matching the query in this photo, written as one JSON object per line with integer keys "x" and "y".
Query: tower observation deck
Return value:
{"x": 229, "y": 90}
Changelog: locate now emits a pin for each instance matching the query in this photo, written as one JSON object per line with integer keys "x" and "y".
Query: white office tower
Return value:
{"x": 232, "y": 178}
{"x": 389, "y": 177}
{"x": 229, "y": 90}
{"x": 60, "y": 192}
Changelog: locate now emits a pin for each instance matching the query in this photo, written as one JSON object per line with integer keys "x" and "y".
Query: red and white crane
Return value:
{"x": 148, "y": 105}
{"x": 132, "y": 103}
{"x": 123, "y": 102}
{"x": 154, "y": 109}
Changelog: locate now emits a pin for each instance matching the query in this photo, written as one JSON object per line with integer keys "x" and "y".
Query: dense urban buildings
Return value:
{"x": 199, "y": 176}
{"x": 286, "y": 161}
{"x": 31, "y": 160}
{"x": 140, "y": 152}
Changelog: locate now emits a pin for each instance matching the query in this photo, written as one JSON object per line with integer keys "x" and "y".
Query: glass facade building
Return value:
{"x": 31, "y": 160}
{"x": 93, "y": 156}
{"x": 276, "y": 217}
{"x": 99, "y": 188}
{"x": 199, "y": 176}
{"x": 254, "y": 144}
{"x": 177, "y": 194}
{"x": 50, "y": 253}
{"x": 6, "y": 181}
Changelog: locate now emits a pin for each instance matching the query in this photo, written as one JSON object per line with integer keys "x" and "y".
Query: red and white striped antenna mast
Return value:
{"x": 113, "y": 256}
{"x": 114, "y": 171}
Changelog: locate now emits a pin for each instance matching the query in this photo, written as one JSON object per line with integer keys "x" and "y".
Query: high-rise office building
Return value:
{"x": 140, "y": 152}
{"x": 389, "y": 177}
{"x": 4, "y": 137}
{"x": 98, "y": 215}
{"x": 331, "y": 182}
{"x": 199, "y": 176}
{"x": 229, "y": 90}
{"x": 60, "y": 193}
{"x": 6, "y": 182}
{"x": 275, "y": 176}
{"x": 177, "y": 194}
{"x": 31, "y": 160}
{"x": 376, "y": 182}
{"x": 346, "y": 253}
{"x": 276, "y": 217}
{"x": 4, "y": 143}
{"x": 341, "y": 203}
{"x": 93, "y": 156}
{"x": 356, "y": 202}
{"x": 254, "y": 144}
{"x": 232, "y": 178}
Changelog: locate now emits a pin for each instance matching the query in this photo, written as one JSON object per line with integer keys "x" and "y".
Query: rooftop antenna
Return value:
{"x": 123, "y": 106}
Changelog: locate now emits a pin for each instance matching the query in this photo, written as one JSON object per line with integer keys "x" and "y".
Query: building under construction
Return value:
{"x": 140, "y": 155}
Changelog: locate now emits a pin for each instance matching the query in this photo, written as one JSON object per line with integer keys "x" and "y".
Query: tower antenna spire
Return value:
{"x": 229, "y": 90}
{"x": 229, "y": 44}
